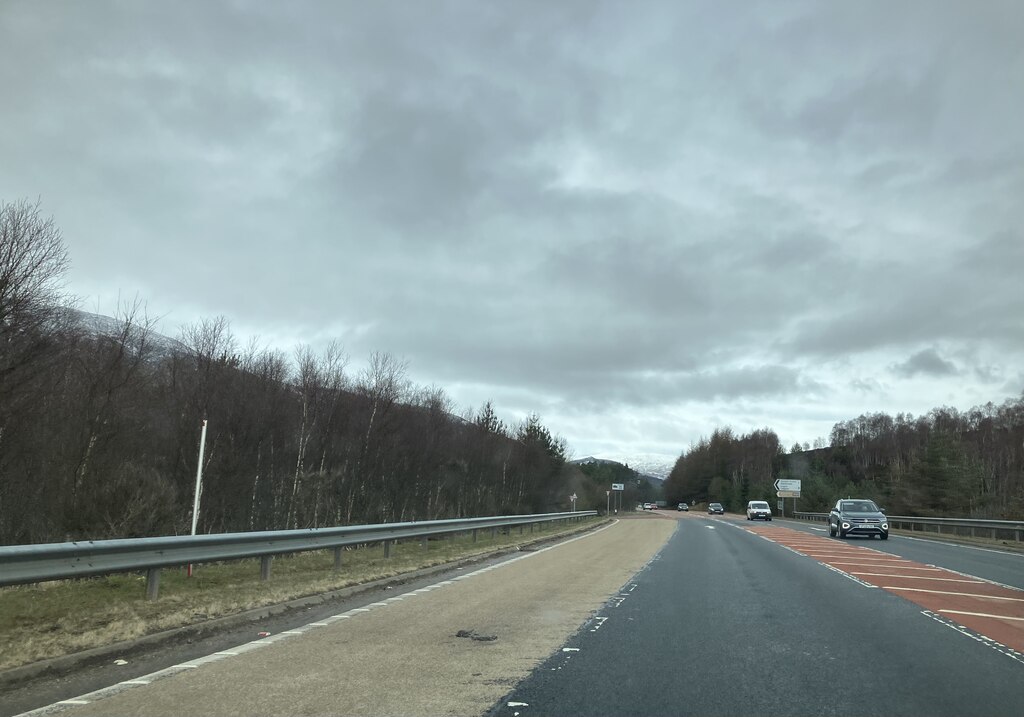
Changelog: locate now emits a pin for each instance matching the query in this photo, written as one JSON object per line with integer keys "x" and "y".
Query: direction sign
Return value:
{"x": 787, "y": 484}
{"x": 787, "y": 493}
{"x": 618, "y": 486}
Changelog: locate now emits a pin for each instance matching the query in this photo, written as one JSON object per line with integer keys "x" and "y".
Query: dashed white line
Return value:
{"x": 984, "y": 640}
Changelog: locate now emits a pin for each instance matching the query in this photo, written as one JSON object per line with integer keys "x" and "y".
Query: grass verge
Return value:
{"x": 47, "y": 620}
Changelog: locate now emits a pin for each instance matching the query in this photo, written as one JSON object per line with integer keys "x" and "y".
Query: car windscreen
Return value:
{"x": 760, "y": 504}
{"x": 860, "y": 506}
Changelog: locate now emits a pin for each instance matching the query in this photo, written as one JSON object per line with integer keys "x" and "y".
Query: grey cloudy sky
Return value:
{"x": 639, "y": 220}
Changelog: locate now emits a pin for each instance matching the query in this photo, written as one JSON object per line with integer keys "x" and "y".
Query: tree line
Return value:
{"x": 944, "y": 463}
{"x": 99, "y": 429}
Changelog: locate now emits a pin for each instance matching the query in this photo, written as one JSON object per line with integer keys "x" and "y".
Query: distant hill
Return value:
{"x": 654, "y": 480}
{"x": 101, "y": 325}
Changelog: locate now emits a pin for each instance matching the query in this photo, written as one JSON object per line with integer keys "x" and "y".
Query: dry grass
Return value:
{"x": 38, "y": 622}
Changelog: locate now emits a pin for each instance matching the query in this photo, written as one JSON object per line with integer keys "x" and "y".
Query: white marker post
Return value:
{"x": 199, "y": 486}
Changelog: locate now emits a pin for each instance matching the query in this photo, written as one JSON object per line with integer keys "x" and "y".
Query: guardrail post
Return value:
{"x": 265, "y": 562}
{"x": 152, "y": 583}
{"x": 494, "y": 531}
{"x": 474, "y": 535}
{"x": 387, "y": 548}
{"x": 423, "y": 542}
{"x": 337, "y": 557}
{"x": 520, "y": 528}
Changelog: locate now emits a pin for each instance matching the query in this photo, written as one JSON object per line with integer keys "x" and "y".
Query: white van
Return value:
{"x": 758, "y": 509}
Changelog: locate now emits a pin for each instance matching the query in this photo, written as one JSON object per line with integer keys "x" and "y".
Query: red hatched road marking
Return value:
{"x": 991, "y": 610}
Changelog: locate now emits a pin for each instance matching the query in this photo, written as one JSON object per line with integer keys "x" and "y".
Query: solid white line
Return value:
{"x": 920, "y": 577}
{"x": 982, "y": 614}
{"x": 73, "y": 702}
{"x": 875, "y": 565}
{"x": 942, "y": 592}
{"x": 881, "y": 561}
{"x": 135, "y": 682}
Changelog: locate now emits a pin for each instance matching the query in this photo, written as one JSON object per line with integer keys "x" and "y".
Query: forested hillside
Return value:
{"x": 944, "y": 463}
{"x": 99, "y": 430}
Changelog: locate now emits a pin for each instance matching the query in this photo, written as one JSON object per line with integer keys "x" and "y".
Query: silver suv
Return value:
{"x": 857, "y": 517}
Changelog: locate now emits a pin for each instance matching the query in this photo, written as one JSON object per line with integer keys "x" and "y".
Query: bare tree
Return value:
{"x": 33, "y": 305}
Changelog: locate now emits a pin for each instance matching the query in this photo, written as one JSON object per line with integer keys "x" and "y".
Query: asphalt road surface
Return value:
{"x": 769, "y": 619}
{"x": 659, "y": 614}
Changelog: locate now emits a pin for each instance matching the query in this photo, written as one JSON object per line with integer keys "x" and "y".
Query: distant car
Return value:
{"x": 714, "y": 508}
{"x": 682, "y": 506}
{"x": 857, "y": 517}
{"x": 758, "y": 510}
{"x": 640, "y": 506}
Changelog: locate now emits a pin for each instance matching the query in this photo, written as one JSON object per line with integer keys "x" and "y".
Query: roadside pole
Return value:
{"x": 199, "y": 487}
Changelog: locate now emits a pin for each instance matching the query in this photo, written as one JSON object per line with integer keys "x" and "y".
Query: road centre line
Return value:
{"x": 982, "y": 614}
{"x": 919, "y": 577}
{"x": 942, "y": 592}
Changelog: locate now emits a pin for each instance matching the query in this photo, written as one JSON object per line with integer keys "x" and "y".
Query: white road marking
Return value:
{"x": 984, "y": 640}
{"x": 962, "y": 545}
{"x": 263, "y": 642}
{"x": 982, "y": 614}
{"x": 919, "y": 577}
{"x": 943, "y": 592}
{"x": 845, "y": 574}
{"x": 875, "y": 565}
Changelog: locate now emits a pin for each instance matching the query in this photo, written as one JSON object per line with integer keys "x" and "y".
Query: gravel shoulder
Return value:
{"x": 405, "y": 655}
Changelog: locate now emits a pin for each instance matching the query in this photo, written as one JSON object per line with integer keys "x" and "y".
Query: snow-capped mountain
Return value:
{"x": 654, "y": 467}
{"x": 101, "y": 325}
{"x": 658, "y": 465}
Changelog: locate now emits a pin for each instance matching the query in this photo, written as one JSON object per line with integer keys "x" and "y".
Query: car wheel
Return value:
{"x": 884, "y": 536}
{"x": 769, "y": 520}
{"x": 831, "y": 531}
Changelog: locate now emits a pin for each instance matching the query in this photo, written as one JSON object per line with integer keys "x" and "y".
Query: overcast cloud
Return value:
{"x": 640, "y": 220}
